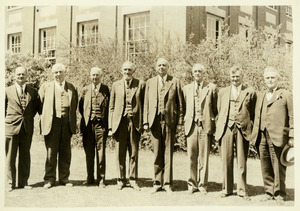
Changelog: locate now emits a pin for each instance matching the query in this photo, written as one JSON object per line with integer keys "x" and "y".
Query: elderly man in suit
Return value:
{"x": 163, "y": 110}
{"x": 58, "y": 122}
{"x": 21, "y": 105}
{"x": 199, "y": 124}
{"x": 236, "y": 104}
{"x": 93, "y": 107}
{"x": 126, "y": 123}
{"x": 273, "y": 129}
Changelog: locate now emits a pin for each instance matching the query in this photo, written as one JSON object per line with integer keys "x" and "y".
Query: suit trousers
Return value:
{"x": 21, "y": 141}
{"x": 273, "y": 172}
{"x": 233, "y": 136}
{"x": 162, "y": 138}
{"x": 127, "y": 138}
{"x": 58, "y": 142}
{"x": 94, "y": 141}
{"x": 198, "y": 148}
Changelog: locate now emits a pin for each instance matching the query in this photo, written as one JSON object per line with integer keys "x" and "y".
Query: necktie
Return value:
{"x": 235, "y": 93}
{"x": 22, "y": 91}
{"x": 127, "y": 84}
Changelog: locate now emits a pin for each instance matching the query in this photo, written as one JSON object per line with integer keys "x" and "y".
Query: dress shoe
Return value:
{"x": 192, "y": 190}
{"x": 168, "y": 189}
{"x": 26, "y": 187}
{"x": 101, "y": 184}
{"x": 136, "y": 187}
{"x": 203, "y": 191}
{"x": 245, "y": 197}
{"x": 155, "y": 189}
{"x": 48, "y": 185}
{"x": 280, "y": 199}
{"x": 266, "y": 197}
{"x": 86, "y": 183}
{"x": 224, "y": 195}
{"x": 68, "y": 184}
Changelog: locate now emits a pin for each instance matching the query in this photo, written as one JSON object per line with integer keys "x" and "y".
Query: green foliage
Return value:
{"x": 36, "y": 67}
{"x": 252, "y": 53}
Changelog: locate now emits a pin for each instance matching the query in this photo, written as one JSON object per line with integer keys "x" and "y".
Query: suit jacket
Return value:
{"x": 280, "y": 115}
{"x": 208, "y": 101}
{"x": 245, "y": 115}
{"x": 46, "y": 93}
{"x": 15, "y": 116}
{"x": 173, "y": 101}
{"x": 117, "y": 104}
{"x": 85, "y": 105}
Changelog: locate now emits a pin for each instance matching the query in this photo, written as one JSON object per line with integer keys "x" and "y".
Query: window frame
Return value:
{"x": 88, "y": 36}
{"x": 15, "y": 47}
{"x": 46, "y": 48}
{"x": 289, "y": 11}
{"x": 215, "y": 31}
{"x": 131, "y": 30}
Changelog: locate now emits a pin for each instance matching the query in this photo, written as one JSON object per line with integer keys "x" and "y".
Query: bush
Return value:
{"x": 253, "y": 53}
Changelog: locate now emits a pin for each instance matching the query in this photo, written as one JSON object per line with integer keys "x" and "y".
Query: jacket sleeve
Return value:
{"x": 290, "y": 112}
{"x": 180, "y": 103}
{"x": 111, "y": 106}
{"x": 146, "y": 104}
{"x": 81, "y": 102}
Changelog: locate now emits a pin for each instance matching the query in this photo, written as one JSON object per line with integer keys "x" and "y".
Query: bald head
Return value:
{"x": 96, "y": 75}
{"x": 162, "y": 67}
{"x": 20, "y": 75}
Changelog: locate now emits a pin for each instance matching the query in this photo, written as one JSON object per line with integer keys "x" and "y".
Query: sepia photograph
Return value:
{"x": 148, "y": 104}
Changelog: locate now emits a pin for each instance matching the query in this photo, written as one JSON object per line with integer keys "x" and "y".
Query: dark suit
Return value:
{"x": 57, "y": 131}
{"x": 126, "y": 123}
{"x": 162, "y": 112}
{"x": 18, "y": 132}
{"x": 199, "y": 125}
{"x": 273, "y": 126}
{"x": 94, "y": 128}
{"x": 234, "y": 126}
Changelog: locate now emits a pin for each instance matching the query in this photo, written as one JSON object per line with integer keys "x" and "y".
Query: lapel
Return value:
{"x": 121, "y": 88}
{"x": 70, "y": 92}
{"x": 203, "y": 91}
{"x": 51, "y": 91}
{"x": 168, "y": 84}
{"x": 88, "y": 97}
{"x": 243, "y": 94}
{"x": 134, "y": 87}
{"x": 28, "y": 94}
{"x": 227, "y": 95}
{"x": 153, "y": 85}
{"x": 190, "y": 96}
{"x": 100, "y": 93}
{"x": 274, "y": 97}
{"x": 15, "y": 94}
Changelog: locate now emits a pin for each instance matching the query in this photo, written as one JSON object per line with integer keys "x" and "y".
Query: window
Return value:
{"x": 213, "y": 27}
{"x": 288, "y": 11}
{"x": 88, "y": 33}
{"x": 244, "y": 30}
{"x": 273, "y": 7}
{"x": 48, "y": 37}
{"x": 137, "y": 32}
{"x": 14, "y": 42}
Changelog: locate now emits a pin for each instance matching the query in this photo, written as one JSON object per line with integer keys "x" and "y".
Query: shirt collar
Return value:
{"x": 19, "y": 87}
{"x": 163, "y": 78}
{"x": 239, "y": 88}
{"x": 200, "y": 84}
{"x": 63, "y": 83}
{"x": 272, "y": 91}
{"x": 96, "y": 87}
{"x": 130, "y": 81}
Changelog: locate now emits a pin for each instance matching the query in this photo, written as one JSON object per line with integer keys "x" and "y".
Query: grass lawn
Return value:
{"x": 82, "y": 196}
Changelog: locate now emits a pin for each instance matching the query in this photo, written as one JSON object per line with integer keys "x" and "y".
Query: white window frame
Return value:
{"x": 213, "y": 27}
{"x": 15, "y": 42}
{"x": 288, "y": 11}
{"x": 273, "y": 7}
{"x": 47, "y": 43}
{"x": 88, "y": 33}
{"x": 137, "y": 31}
{"x": 10, "y": 8}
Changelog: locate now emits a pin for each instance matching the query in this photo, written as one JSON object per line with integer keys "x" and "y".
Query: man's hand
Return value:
{"x": 146, "y": 127}
{"x": 291, "y": 142}
{"x": 109, "y": 132}
{"x": 178, "y": 128}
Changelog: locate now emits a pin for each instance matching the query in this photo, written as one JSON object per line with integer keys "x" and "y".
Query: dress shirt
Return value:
{"x": 20, "y": 89}
{"x": 236, "y": 91}
{"x": 61, "y": 85}
{"x": 270, "y": 93}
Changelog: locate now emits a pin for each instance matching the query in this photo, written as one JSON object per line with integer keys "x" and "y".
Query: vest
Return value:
{"x": 197, "y": 108}
{"x": 233, "y": 112}
{"x": 161, "y": 104}
{"x": 128, "y": 105}
{"x": 62, "y": 103}
{"x": 264, "y": 116}
{"x": 23, "y": 100}
{"x": 96, "y": 110}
